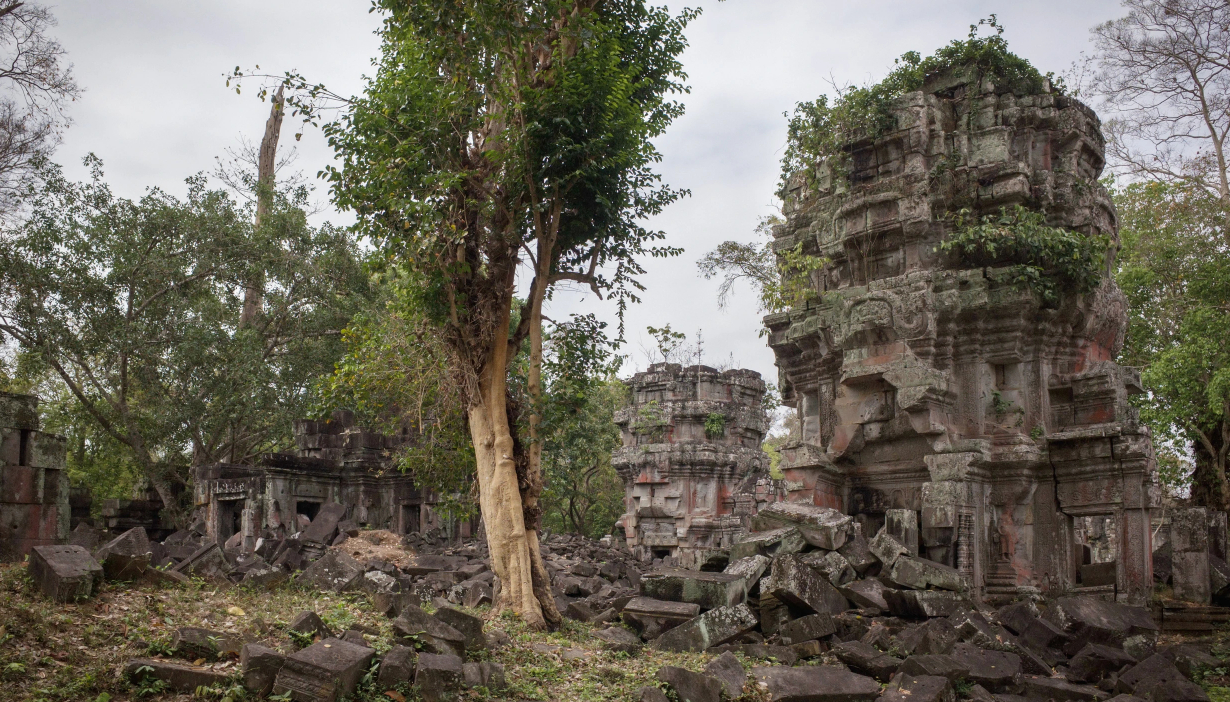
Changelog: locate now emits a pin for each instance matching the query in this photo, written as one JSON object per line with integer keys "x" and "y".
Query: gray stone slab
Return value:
{"x": 260, "y": 666}
{"x": 713, "y": 628}
{"x": 323, "y": 672}
{"x": 815, "y": 684}
{"x": 709, "y": 590}
{"x": 433, "y": 635}
{"x": 689, "y": 686}
{"x": 336, "y": 571}
{"x": 793, "y": 581}
{"x": 64, "y": 573}
{"x": 822, "y": 527}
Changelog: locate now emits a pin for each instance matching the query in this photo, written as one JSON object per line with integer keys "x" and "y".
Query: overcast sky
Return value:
{"x": 156, "y": 107}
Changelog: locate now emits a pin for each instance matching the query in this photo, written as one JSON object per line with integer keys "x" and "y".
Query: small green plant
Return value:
{"x": 1037, "y": 432}
{"x": 146, "y": 685}
{"x": 301, "y": 638}
{"x": 1050, "y": 260}
{"x": 962, "y": 687}
{"x": 715, "y": 426}
{"x": 1005, "y": 408}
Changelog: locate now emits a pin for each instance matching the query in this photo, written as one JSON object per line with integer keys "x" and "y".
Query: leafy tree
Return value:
{"x": 495, "y": 133}
{"x": 781, "y": 279}
{"x": 132, "y": 309}
{"x": 1175, "y": 270}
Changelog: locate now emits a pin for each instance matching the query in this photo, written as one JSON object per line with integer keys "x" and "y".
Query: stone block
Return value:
{"x": 194, "y": 642}
{"x": 126, "y": 556}
{"x": 934, "y": 636}
{"x": 432, "y": 634}
{"x": 64, "y": 573}
{"x": 308, "y": 622}
{"x": 942, "y": 665}
{"x": 864, "y": 658}
{"x": 1060, "y": 690}
{"x": 921, "y": 574}
{"x": 857, "y": 550}
{"x": 1098, "y": 574}
{"x": 812, "y": 626}
{"x": 902, "y": 525}
{"x": 750, "y": 569}
{"x": 995, "y": 670}
{"x": 865, "y": 593}
{"x": 1154, "y": 670}
{"x": 650, "y": 693}
{"x": 916, "y": 604}
{"x": 486, "y": 674}
{"x": 886, "y": 549}
{"x": 336, "y": 571}
{"x": 323, "y": 672}
{"x": 654, "y": 617}
{"x": 470, "y": 626}
{"x": 206, "y": 562}
{"x": 178, "y": 676}
{"x": 834, "y": 566}
{"x": 727, "y": 670}
{"x": 709, "y": 590}
{"x": 793, "y": 581}
{"x": 1095, "y": 661}
{"x": 822, "y": 527}
{"x": 260, "y": 666}
{"x": 713, "y": 628}
{"x": 1017, "y": 616}
{"x": 1189, "y": 659}
{"x": 438, "y": 676}
{"x": 397, "y": 666}
{"x": 815, "y": 684}
{"x": 1089, "y": 620}
{"x": 689, "y": 686}
{"x": 323, "y": 528}
{"x": 618, "y": 639}
{"x": 775, "y": 542}
{"x": 918, "y": 688}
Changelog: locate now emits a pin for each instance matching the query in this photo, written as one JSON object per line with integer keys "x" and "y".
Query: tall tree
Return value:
{"x": 35, "y": 86}
{"x": 494, "y": 133}
{"x": 133, "y": 307}
{"x": 1163, "y": 74}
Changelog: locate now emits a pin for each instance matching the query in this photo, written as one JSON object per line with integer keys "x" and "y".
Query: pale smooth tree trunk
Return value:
{"x": 254, "y": 290}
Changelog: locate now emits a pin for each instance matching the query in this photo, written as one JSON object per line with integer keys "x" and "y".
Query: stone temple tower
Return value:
{"x": 926, "y": 384}
{"x": 690, "y": 459}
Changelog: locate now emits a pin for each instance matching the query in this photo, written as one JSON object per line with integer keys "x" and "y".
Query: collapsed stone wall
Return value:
{"x": 34, "y": 507}
{"x": 691, "y": 460}
{"x": 956, "y": 392}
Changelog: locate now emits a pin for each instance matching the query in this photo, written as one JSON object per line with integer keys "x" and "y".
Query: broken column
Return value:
{"x": 1189, "y": 541}
{"x": 691, "y": 448}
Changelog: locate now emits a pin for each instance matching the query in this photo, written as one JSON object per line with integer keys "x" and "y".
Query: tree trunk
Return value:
{"x": 499, "y": 493}
{"x": 254, "y": 290}
{"x": 1209, "y": 487}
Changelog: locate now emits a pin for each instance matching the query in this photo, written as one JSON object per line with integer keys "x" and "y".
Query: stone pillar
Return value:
{"x": 1217, "y": 534}
{"x": 902, "y": 525}
{"x": 1189, "y": 537}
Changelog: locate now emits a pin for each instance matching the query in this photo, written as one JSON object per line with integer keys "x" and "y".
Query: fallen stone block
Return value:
{"x": 470, "y": 626}
{"x": 260, "y": 666}
{"x": 775, "y": 542}
{"x": 1177, "y": 691}
{"x": 1088, "y": 620}
{"x": 916, "y": 604}
{"x": 1098, "y": 574}
{"x": 709, "y": 590}
{"x": 1095, "y": 661}
{"x": 180, "y": 677}
{"x": 355, "y": 637}
{"x": 793, "y": 581}
{"x": 918, "y": 688}
{"x": 653, "y": 617}
{"x": 126, "y": 556}
{"x": 397, "y": 666}
{"x": 812, "y": 626}
{"x": 886, "y": 549}
{"x": 689, "y": 686}
{"x": 1060, "y": 690}
{"x": 863, "y": 658}
{"x": 857, "y": 551}
{"x": 902, "y": 525}
{"x": 438, "y": 676}
{"x": 865, "y": 593}
{"x": 336, "y": 571}
{"x": 808, "y": 649}
{"x": 727, "y": 670}
{"x": 206, "y": 562}
{"x": 323, "y": 528}
{"x": 432, "y": 634}
{"x": 713, "y": 628}
{"x": 822, "y": 527}
{"x": 921, "y": 574}
{"x": 308, "y": 622}
{"x": 618, "y": 639}
{"x": 193, "y": 642}
{"x": 1041, "y": 634}
{"x": 942, "y": 665}
{"x": 1189, "y": 659}
{"x": 815, "y": 684}
{"x": 782, "y": 655}
{"x": 994, "y": 670}
{"x": 486, "y": 674}
{"x": 934, "y": 636}
{"x": 323, "y": 672}
{"x": 833, "y": 565}
{"x": 750, "y": 569}
{"x": 64, "y": 573}
{"x": 1017, "y": 616}
{"x": 1151, "y": 671}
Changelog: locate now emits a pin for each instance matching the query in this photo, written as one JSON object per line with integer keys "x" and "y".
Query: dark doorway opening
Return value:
{"x": 410, "y": 518}
{"x": 230, "y": 519}
{"x": 307, "y": 508}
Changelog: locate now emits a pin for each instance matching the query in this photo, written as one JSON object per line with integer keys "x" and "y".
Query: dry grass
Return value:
{"x": 77, "y": 652}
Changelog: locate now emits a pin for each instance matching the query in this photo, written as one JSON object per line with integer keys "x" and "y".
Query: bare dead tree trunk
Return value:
{"x": 254, "y": 291}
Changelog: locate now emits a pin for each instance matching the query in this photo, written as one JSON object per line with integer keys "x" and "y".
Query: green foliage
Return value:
{"x": 669, "y": 342}
{"x": 1174, "y": 268}
{"x": 818, "y": 132}
{"x": 715, "y": 425}
{"x": 782, "y": 279}
{"x": 1050, "y": 260}
{"x": 125, "y": 313}
{"x": 583, "y": 493}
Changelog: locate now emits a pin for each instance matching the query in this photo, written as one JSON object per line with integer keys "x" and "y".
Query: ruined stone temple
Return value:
{"x": 949, "y": 391}
{"x": 34, "y": 507}
{"x": 335, "y": 461}
{"x": 691, "y": 460}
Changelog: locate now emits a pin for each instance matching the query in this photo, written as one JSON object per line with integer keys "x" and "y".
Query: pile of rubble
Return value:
{"x": 809, "y": 585}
